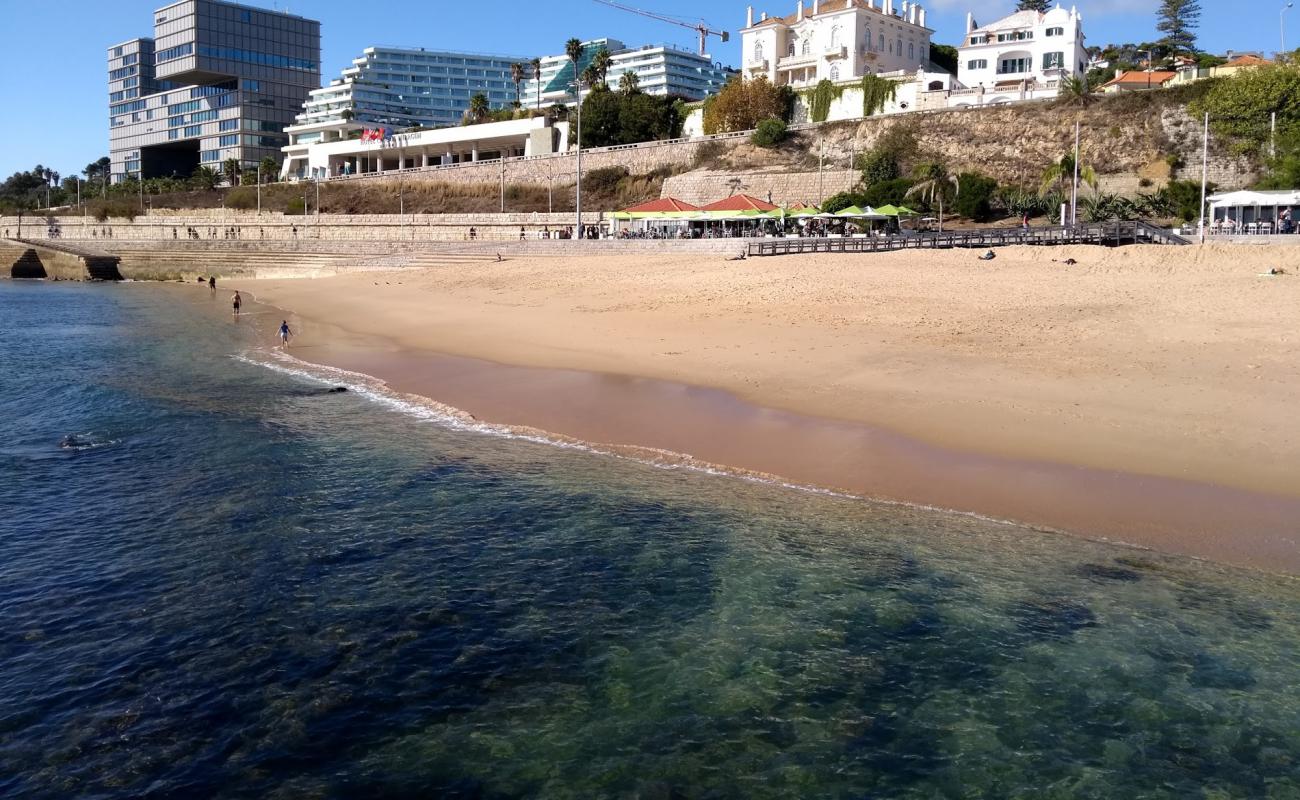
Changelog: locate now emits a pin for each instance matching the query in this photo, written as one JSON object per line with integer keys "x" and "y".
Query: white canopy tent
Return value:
{"x": 1252, "y": 211}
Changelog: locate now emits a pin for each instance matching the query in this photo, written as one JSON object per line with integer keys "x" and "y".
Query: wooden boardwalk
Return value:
{"x": 1110, "y": 234}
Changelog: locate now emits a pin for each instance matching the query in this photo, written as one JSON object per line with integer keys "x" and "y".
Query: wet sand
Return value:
{"x": 988, "y": 429}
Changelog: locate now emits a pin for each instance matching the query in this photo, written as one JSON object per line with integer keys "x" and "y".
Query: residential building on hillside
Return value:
{"x": 1237, "y": 63}
{"x": 217, "y": 81}
{"x": 404, "y": 88}
{"x": 1026, "y": 51}
{"x": 1138, "y": 81}
{"x": 660, "y": 69}
{"x": 837, "y": 40}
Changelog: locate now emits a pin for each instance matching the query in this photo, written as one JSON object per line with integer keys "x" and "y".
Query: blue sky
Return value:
{"x": 54, "y": 108}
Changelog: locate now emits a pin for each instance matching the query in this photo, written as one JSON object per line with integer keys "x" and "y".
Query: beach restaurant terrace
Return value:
{"x": 1253, "y": 212}
{"x": 739, "y": 216}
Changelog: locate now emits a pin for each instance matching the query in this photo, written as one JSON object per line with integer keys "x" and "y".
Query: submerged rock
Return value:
{"x": 1053, "y": 617}
{"x": 1106, "y": 572}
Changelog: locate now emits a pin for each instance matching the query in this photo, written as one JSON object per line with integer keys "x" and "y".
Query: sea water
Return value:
{"x": 216, "y": 579}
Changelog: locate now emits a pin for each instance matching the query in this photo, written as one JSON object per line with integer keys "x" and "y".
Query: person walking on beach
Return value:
{"x": 236, "y": 302}
{"x": 285, "y": 333}
{"x": 212, "y": 283}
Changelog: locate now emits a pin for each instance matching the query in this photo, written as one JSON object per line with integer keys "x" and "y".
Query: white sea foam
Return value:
{"x": 377, "y": 391}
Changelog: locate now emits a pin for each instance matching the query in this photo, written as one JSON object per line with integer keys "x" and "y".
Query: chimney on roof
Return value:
{"x": 920, "y": 17}
{"x": 817, "y": 7}
{"x": 970, "y": 22}
{"x": 799, "y": 14}
{"x": 887, "y": 7}
{"x": 749, "y": 16}
{"x": 762, "y": 17}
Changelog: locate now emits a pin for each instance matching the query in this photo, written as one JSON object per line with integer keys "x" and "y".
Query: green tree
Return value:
{"x": 517, "y": 76}
{"x": 536, "y": 65}
{"x": 601, "y": 63}
{"x": 933, "y": 184}
{"x": 600, "y": 118}
{"x": 574, "y": 50}
{"x": 944, "y": 56}
{"x": 1178, "y": 21}
{"x": 1240, "y": 108}
{"x": 769, "y": 133}
{"x": 1058, "y": 177}
{"x": 230, "y": 168}
{"x": 1076, "y": 91}
{"x": 270, "y": 169}
{"x": 629, "y": 83}
{"x": 478, "y": 108}
{"x": 1041, "y": 6}
{"x": 205, "y": 177}
{"x": 975, "y": 200}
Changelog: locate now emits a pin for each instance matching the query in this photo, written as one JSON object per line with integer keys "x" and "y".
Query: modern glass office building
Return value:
{"x": 660, "y": 69}
{"x": 217, "y": 81}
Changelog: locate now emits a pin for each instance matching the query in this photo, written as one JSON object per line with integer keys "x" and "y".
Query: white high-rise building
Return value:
{"x": 660, "y": 70}
{"x": 837, "y": 40}
{"x": 1032, "y": 48}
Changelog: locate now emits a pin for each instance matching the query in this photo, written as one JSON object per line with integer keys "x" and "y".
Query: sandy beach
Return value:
{"x": 1143, "y": 394}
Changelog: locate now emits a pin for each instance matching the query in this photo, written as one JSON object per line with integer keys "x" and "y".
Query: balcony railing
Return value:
{"x": 835, "y": 52}
{"x": 793, "y": 62}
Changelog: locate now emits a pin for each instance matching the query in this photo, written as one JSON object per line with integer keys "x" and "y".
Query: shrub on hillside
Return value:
{"x": 603, "y": 180}
{"x": 770, "y": 133}
{"x": 242, "y": 198}
{"x": 115, "y": 207}
{"x": 837, "y": 202}
{"x": 975, "y": 199}
{"x": 891, "y": 192}
{"x": 1184, "y": 198}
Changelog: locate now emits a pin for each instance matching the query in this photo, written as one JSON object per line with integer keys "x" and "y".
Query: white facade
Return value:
{"x": 489, "y": 141}
{"x": 836, "y": 40}
{"x": 1027, "y": 51}
{"x": 660, "y": 70}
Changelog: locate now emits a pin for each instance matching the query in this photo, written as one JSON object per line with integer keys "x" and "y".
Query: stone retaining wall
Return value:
{"x": 248, "y": 226}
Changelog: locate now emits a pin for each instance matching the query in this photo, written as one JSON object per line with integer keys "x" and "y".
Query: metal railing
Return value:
{"x": 1098, "y": 233}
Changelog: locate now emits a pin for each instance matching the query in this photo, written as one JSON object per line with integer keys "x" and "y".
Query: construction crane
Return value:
{"x": 700, "y": 27}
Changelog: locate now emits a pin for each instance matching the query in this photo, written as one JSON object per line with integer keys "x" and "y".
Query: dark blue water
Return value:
{"x": 228, "y": 583}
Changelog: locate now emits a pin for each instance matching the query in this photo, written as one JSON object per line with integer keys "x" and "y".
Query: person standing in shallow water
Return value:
{"x": 236, "y": 302}
{"x": 212, "y": 282}
{"x": 285, "y": 333}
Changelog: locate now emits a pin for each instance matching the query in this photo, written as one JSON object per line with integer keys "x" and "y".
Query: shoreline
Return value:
{"x": 576, "y": 391}
{"x": 741, "y": 440}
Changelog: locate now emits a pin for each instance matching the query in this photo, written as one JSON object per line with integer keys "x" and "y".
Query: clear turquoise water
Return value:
{"x": 235, "y": 585}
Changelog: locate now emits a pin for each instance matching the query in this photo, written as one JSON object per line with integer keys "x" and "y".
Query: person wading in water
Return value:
{"x": 236, "y": 302}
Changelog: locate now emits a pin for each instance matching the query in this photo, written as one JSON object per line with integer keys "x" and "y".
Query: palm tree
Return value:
{"x": 205, "y": 177}
{"x": 574, "y": 49}
{"x": 1060, "y": 175}
{"x": 230, "y": 168}
{"x": 591, "y": 76}
{"x": 270, "y": 169}
{"x": 478, "y": 107}
{"x": 517, "y": 75}
{"x": 537, "y": 77}
{"x": 601, "y": 63}
{"x": 629, "y": 83}
{"x": 933, "y": 184}
{"x": 1076, "y": 91}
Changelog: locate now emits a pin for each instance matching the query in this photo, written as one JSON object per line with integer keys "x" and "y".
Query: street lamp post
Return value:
{"x": 1281, "y": 26}
{"x": 1151, "y": 63}
{"x": 578, "y": 139}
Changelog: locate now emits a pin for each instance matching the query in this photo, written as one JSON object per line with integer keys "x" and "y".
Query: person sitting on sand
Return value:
{"x": 989, "y": 255}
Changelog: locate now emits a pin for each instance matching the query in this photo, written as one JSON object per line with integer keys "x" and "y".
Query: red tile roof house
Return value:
{"x": 1135, "y": 81}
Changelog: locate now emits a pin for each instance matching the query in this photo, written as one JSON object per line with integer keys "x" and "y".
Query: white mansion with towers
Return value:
{"x": 1024, "y": 56}
{"x": 836, "y": 40}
